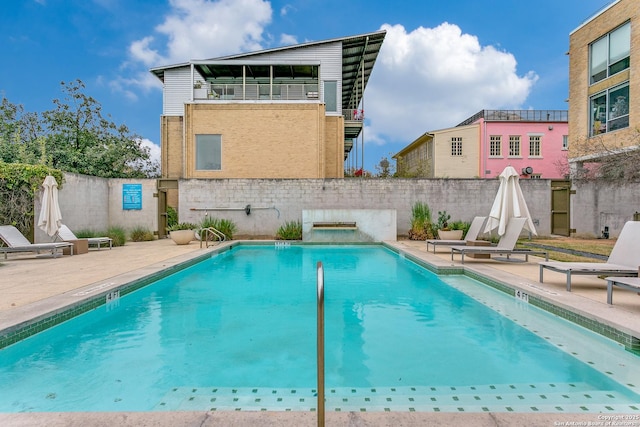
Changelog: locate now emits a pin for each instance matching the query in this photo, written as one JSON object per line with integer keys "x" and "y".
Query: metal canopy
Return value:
{"x": 223, "y": 70}
{"x": 359, "y": 54}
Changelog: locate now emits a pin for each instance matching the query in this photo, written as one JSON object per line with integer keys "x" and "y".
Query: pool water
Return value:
{"x": 238, "y": 332}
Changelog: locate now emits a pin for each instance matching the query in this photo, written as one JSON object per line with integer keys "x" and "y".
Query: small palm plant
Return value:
{"x": 290, "y": 230}
{"x": 225, "y": 226}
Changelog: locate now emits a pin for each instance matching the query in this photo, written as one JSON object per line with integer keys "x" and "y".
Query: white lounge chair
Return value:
{"x": 472, "y": 234}
{"x": 16, "y": 242}
{"x": 65, "y": 234}
{"x": 623, "y": 260}
{"x": 506, "y": 245}
{"x": 629, "y": 283}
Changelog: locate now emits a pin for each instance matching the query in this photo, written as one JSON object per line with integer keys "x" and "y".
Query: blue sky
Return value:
{"x": 441, "y": 62}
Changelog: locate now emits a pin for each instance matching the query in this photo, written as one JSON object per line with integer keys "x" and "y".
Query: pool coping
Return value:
{"x": 307, "y": 419}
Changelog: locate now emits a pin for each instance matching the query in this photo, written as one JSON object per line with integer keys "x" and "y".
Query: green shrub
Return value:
{"x": 225, "y": 226}
{"x": 443, "y": 220}
{"x": 85, "y": 234}
{"x": 141, "y": 234}
{"x": 118, "y": 235}
{"x": 19, "y": 185}
{"x": 172, "y": 216}
{"x": 460, "y": 225}
{"x": 290, "y": 230}
{"x": 421, "y": 227}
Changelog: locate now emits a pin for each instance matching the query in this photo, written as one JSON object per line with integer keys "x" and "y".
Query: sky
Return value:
{"x": 441, "y": 61}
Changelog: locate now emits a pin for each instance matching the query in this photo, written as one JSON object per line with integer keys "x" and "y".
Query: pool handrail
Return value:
{"x": 320, "y": 343}
{"x": 212, "y": 232}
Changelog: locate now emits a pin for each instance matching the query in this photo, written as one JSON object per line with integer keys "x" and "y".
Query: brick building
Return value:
{"x": 279, "y": 113}
{"x": 604, "y": 83}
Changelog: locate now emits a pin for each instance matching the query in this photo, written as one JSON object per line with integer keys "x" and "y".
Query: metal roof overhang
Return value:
{"x": 359, "y": 54}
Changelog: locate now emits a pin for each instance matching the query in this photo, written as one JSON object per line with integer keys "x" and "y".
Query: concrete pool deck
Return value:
{"x": 33, "y": 285}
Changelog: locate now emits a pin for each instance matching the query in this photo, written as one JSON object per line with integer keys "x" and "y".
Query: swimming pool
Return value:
{"x": 232, "y": 333}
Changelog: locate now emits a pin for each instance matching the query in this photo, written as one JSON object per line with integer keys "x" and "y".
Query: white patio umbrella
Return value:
{"x": 50, "y": 216}
{"x": 509, "y": 203}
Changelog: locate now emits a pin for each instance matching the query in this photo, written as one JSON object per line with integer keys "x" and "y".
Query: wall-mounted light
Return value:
{"x": 550, "y": 127}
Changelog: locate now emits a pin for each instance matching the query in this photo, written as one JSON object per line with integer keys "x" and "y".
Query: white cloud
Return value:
{"x": 200, "y": 29}
{"x": 284, "y": 10}
{"x": 141, "y": 51}
{"x": 193, "y": 29}
{"x": 433, "y": 78}
{"x": 288, "y": 40}
{"x": 154, "y": 150}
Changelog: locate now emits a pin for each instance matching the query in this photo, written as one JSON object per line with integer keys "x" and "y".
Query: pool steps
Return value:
{"x": 557, "y": 398}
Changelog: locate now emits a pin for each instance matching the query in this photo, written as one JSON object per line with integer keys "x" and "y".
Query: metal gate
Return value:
{"x": 163, "y": 186}
{"x": 560, "y": 208}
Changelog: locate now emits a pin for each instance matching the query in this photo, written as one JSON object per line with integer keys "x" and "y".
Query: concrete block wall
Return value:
{"x": 96, "y": 203}
{"x": 596, "y": 205}
{"x": 83, "y": 203}
{"x": 276, "y": 201}
{"x": 146, "y": 217}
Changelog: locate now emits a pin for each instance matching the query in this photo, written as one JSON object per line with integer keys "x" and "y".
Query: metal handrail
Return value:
{"x": 210, "y": 232}
{"x": 320, "y": 344}
{"x": 247, "y": 209}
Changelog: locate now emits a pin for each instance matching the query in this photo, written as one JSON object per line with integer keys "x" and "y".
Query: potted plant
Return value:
{"x": 182, "y": 233}
{"x": 444, "y": 232}
{"x": 199, "y": 90}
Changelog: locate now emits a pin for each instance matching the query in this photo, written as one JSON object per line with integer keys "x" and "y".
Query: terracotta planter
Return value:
{"x": 182, "y": 237}
{"x": 450, "y": 234}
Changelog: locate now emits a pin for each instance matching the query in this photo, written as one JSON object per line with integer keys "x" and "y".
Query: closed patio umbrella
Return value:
{"x": 509, "y": 203}
{"x": 50, "y": 216}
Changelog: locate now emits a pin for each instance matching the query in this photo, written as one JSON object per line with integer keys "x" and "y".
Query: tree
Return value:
{"x": 384, "y": 168}
{"x": 21, "y": 138}
{"x": 611, "y": 160}
{"x": 80, "y": 139}
{"x": 404, "y": 171}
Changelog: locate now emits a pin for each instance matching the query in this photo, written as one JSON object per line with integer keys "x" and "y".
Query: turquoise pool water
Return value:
{"x": 237, "y": 332}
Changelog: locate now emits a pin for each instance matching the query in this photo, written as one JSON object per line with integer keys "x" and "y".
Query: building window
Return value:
{"x": 208, "y": 152}
{"x": 495, "y": 146}
{"x": 565, "y": 142}
{"x": 456, "y": 146}
{"x": 331, "y": 95}
{"x": 535, "y": 146}
{"x": 514, "y": 146}
{"x": 610, "y": 110}
{"x": 610, "y": 54}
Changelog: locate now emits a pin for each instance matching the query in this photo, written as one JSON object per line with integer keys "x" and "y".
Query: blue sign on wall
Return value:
{"x": 131, "y": 196}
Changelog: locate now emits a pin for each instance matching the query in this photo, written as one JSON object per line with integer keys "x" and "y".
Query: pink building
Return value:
{"x": 534, "y": 142}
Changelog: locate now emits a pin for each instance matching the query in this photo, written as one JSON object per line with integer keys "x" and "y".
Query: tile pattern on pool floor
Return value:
{"x": 569, "y": 398}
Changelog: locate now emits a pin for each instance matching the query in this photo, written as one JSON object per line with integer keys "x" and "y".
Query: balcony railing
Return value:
{"x": 353, "y": 115}
{"x": 255, "y": 92}
{"x": 518, "y": 116}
